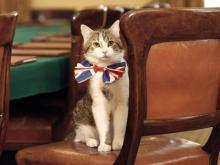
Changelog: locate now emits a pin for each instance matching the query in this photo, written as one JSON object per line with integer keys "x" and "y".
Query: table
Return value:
{"x": 24, "y": 33}
{"x": 48, "y": 74}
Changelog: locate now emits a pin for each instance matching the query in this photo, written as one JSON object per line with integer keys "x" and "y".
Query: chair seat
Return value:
{"x": 29, "y": 129}
{"x": 153, "y": 150}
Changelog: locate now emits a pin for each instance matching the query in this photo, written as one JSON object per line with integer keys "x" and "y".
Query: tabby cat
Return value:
{"x": 99, "y": 118}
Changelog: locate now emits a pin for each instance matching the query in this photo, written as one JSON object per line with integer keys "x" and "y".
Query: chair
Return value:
{"x": 7, "y": 29}
{"x": 32, "y": 120}
{"x": 178, "y": 91}
{"x": 113, "y": 14}
{"x": 42, "y": 16}
{"x": 157, "y": 5}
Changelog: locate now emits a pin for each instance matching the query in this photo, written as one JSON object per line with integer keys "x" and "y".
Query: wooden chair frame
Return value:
{"x": 7, "y": 30}
{"x": 140, "y": 30}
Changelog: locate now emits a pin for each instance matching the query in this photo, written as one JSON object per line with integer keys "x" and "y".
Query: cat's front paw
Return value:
{"x": 117, "y": 144}
{"x": 104, "y": 148}
{"x": 91, "y": 142}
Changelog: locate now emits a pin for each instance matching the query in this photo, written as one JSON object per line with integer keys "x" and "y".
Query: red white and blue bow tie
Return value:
{"x": 84, "y": 71}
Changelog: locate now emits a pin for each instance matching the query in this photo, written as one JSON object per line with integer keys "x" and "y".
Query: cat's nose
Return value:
{"x": 104, "y": 52}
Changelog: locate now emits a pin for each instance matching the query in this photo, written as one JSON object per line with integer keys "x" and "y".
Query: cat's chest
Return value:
{"x": 97, "y": 85}
{"x": 97, "y": 79}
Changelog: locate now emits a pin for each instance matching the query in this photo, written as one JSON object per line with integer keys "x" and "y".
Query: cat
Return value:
{"x": 99, "y": 118}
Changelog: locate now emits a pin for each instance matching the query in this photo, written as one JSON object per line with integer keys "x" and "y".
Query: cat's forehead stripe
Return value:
{"x": 102, "y": 36}
{"x": 105, "y": 35}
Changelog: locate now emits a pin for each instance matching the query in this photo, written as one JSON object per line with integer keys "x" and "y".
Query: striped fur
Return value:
{"x": 99, "y": 118}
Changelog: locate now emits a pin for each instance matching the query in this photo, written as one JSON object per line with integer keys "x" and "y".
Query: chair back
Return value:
{"x": 113, "y": 14}
{"x": 173, "y": 58}
{"x": 43, "y": 16}
{"x": 93, "y": 18}
{"x": 7, "y": 30}
{"x": 102, "y": 17}
{"x": 182, "y": 78}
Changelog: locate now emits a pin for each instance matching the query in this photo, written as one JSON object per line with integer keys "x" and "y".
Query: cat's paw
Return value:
{"x": 77, "y": 140}
{"x": 91, "y": 142}
{"x": 117, "y": 144}
{"x": 104, "y": 148}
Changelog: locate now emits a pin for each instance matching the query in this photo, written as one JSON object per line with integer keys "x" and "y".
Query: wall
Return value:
{"x": 212, "y": 3}
{"x": 15, "y": 5}
{"x": 79, "y": 4}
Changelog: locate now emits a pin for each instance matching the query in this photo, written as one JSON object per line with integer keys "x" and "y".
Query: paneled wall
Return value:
{"x": 69, "y": 4}
{"x": 16, "y": 5}
{"x": 26, "y": 6}
{"x": 79, "y": 4}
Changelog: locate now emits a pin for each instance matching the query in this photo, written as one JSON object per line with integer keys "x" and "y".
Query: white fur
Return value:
{"x": 87, "y": 134}
{"x": 115, "y": 28}
{"x": 86, "y": 32}
{"x": 103, "y": 56}
{"x": 102, "y": 108}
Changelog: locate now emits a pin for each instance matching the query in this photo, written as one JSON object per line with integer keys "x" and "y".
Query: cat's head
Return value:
{"x": 102, "y": 46}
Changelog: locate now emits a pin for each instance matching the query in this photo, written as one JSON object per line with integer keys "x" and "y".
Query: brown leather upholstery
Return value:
{"x": 32, "y": 120}
{"x": 183, "y": 78}
{"x": 153, "y": 150}
{"x": 26, "y": 129}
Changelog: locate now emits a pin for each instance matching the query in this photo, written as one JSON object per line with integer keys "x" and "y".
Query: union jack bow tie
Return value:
{"x": 84, "y": 71}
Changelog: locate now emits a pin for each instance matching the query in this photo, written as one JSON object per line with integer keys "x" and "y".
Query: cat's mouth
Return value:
{"x": 105, "y": 57}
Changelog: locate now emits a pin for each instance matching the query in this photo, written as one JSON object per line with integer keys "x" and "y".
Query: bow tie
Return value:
{"x": 85, "y": 70}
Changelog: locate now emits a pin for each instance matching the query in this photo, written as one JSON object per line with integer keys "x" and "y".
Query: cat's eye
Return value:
{"x": 110, "y": 43}
{"x": 96, "y": 44}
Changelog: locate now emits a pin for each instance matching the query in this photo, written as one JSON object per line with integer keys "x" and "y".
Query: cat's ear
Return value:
{"x": 86, "y": 32}
{"x": 115, "y": 29}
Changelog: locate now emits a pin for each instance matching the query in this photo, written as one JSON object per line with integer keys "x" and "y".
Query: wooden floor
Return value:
{"x": 199, "y": 136}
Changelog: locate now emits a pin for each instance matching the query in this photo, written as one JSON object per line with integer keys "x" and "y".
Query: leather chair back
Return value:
{"x": 182, "y": 78}
{"x": 173, "y": 58}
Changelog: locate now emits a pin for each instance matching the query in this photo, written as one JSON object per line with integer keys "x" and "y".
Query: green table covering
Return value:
{"x": 26, "y": 32}
{"x": 48, "y": 74}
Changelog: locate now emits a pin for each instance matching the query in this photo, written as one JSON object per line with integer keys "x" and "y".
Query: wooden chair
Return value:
{"x": 32, "y": 120}
{"x": 157, "y": 5}
{"x": 7, "y": 29}
{"x": 182, "y": 79}
{"x": 174, "y": 86}
{"x": 42, "y": 16}
{"x": 113, "y": 14}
